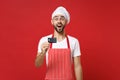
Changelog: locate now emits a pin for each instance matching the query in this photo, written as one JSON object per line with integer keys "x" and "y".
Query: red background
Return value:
{"x": 94, "y": 22}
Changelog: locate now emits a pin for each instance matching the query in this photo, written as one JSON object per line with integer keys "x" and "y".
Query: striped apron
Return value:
{"x": 59, "y": 64}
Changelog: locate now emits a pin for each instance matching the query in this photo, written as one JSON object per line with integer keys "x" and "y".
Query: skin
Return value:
{"x": 59, "y": 22}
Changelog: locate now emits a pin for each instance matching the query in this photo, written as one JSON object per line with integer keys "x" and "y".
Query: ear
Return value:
{"x": 51, "y": 21}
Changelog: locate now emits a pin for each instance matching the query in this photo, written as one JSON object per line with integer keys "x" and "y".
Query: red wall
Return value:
{"x": 94, "y": 22}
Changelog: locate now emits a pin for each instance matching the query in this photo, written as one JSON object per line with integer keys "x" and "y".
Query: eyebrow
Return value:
{"x": 57, "y": 16}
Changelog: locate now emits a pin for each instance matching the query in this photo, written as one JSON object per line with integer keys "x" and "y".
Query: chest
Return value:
{"x": 62, "y": 44}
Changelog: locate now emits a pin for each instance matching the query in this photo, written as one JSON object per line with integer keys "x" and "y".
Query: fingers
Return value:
{"x": 45, "y": 46}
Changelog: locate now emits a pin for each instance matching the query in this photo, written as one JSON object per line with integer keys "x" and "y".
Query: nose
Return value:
{"x": 59, "y": 20}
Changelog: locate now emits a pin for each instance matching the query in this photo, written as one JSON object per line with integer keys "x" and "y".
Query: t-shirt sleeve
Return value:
{"x": 76, "y": 51}
{"x": 39, "y": 45}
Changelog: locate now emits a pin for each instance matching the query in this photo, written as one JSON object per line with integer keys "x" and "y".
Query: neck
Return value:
{"x": 59, "y": 36}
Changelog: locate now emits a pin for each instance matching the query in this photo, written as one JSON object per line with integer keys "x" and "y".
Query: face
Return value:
{"x": 59, "y": 23}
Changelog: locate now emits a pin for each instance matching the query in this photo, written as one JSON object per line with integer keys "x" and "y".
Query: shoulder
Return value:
{"x": 72, "y": 39}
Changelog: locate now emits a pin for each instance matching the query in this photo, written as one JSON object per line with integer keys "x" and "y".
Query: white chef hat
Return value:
{"x": 61, "y": 10}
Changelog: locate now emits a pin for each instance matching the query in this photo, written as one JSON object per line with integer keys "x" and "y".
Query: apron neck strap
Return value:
{"x": 67, "y": 41}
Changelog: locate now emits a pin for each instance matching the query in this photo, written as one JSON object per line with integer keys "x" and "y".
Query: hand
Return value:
{"x": 44, "y": 47}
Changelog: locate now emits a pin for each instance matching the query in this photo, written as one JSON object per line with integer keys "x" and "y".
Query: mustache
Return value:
{"x": 59, "y": 24}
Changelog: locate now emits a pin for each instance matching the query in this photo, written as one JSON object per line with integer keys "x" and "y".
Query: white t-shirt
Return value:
{"x": 74, "y": 45}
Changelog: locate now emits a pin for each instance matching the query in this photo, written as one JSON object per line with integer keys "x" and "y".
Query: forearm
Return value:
{"x": 39, "y": 59}
{"x": 78, "y": 72}
{"x": 78, "y": 68}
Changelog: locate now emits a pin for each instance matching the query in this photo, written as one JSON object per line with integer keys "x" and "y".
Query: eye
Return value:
{"x": 56, "y": 19}
{"x": 62, "y": 18}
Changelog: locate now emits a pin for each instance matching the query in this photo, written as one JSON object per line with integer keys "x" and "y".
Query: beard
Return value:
{"x": 59, "y": 27}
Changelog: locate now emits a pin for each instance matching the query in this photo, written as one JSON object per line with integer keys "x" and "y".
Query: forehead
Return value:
{"x": 58, "y": 15}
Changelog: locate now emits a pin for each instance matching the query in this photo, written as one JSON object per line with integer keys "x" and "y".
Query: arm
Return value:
{"x": 40, "y": 55}
{"x": 39, "y": 59}
{"x": 78, "y": 68}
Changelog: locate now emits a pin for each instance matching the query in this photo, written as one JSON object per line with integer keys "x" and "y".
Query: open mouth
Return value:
{"x": 59, "y": 26}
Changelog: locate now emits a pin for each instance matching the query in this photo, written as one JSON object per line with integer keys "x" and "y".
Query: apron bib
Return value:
{"x": 59, "y": 64}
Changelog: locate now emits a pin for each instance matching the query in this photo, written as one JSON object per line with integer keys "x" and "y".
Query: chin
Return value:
{"x": 60, "y": 31}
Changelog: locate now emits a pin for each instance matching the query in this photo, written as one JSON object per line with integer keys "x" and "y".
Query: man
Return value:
{"x": 63, "y": 54}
